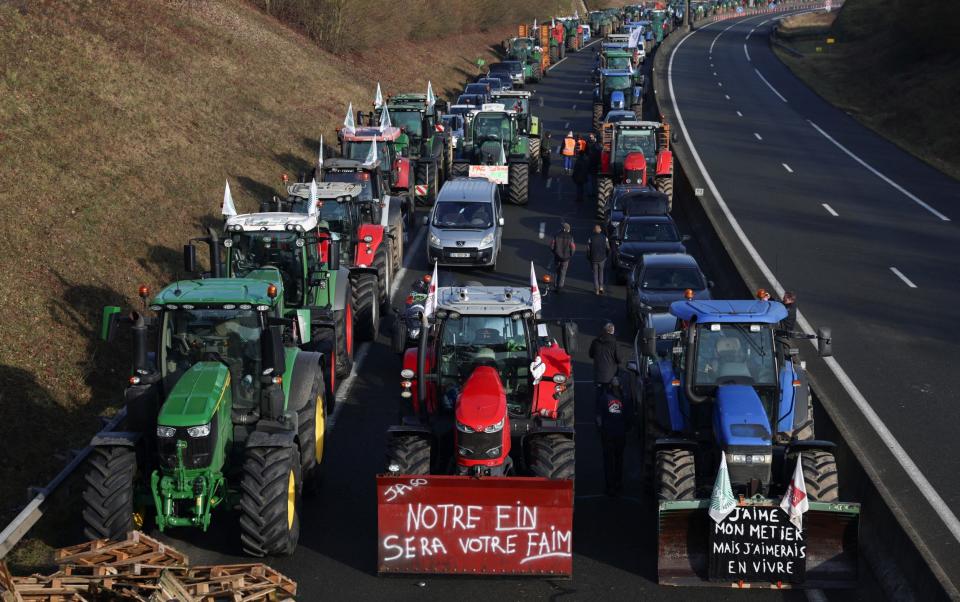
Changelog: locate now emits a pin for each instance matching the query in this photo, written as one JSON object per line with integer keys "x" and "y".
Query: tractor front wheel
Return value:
{"x": 535, "y": 158}
{"x": 366, "y": 306}
{"x": 398, "y": 335}
{"x": 537, "y": 72}
{"x": 554, "y": 55}
{"x": 384, "y": 272}
{"x": 821, "y": 475}
{"x": 604, "y": 192}
{"x": 519, "y": 174}
{"x": 108, "y": 511}
{"x": 408, "y": 454}
{"x": 676, "y": 475}
{"x": 565, "y": 404}
{"x": 552, "y": 457}
{"x": 665, "y": 185}
{"x": 396, "y": 243}
{"x": 270, "y": 489}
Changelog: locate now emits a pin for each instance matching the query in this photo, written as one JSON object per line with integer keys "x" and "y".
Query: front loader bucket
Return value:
{"x": 693, "y": 550}
{"x": 475, "y": 526}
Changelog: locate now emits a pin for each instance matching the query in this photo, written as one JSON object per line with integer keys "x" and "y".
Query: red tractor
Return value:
{"x": 634, "y": 152}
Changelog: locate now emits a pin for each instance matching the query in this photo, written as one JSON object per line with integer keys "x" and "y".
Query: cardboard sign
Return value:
{"x": 498, "y": 174}
{"x": 757, "y": 543}
{"x": 493, "y": 525}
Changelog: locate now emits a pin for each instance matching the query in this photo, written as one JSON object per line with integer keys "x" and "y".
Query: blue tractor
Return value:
{"x": 617, "y": 89}
{"x": 721, "y": 377}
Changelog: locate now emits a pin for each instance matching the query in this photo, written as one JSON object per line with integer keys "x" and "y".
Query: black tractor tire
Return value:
{"x": 398, "y": 335}
{"x": 665, "y": 185}
{"x": 552, "y": 456}
{"x": 266, "y": 527}
{"x": 806, "y": 431}
{"x": 821, "y": 475}
{"x": 675, "y": 475}
{"x": 432, "y": 181}
{"x": 396, "y": 244}
{"x": 344, "y": 339}
{"x": 408, "y": 455}
{"x": 637, "y": 108}
{"x": 554, "y": 55}
{"x": 597, "y": 117}
{"x": 649, "y": 430}
{"x": 563, "y": 50}
{"x": 366, "y": 307}
{"x": 384, "y": 268}
{"x": 604, "y": 193}
{"x": 108, "y": 493}
{"x": 537, "y": 72}
{"x": 311, "y": 432}
{"x": 460, "y": 170}
{"x": 535, "y": 159}
{"x": 565, "y": 404}
{"x": 519, "y": 174}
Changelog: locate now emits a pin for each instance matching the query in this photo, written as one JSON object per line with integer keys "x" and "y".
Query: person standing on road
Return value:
{"x": 563, "y": 249}
{"x": 581, "y": 172}
{"x": 605, "y": 353}
{"x": 614, "y": 416}
{"x": 545, "y": 154}
{"x": 790, "y": 302}
{"x": 597, "y": 252}
{"x": 593, "y": 154}
{"x": 581, "y": 145}
{"x": 568, "y": 152}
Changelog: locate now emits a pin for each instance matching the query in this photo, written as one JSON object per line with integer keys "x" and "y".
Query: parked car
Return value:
{"x": 639, "y": 235}
{"x": 658, "y": 280}
{"x": 466, "y": 224}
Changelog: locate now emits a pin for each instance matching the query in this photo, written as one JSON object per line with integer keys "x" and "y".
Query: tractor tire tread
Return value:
{"x": 519, "y": 174}
{"x": 552, "y": 456}
{"x": 676, "y": 475}
{"x": 821, "y": 475}
{"x": 263, "y": 501}
{"x": 109, "y": 492}
{"x": 410, "y": 453}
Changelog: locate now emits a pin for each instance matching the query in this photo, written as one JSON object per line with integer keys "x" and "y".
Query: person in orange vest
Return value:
{"x": 569, "y": 150}
{"x": 581, "y": 144}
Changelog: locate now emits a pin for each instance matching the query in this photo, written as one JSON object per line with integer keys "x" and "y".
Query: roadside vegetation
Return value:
{"x": 894, "y": 66}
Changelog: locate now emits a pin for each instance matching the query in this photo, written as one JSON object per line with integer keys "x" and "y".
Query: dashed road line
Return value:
{"x": 739, "y": 114}
{"x": 830, "y": 210}
{"x": 727, "y": 96}
{"x": 769, "y": 85}
{"x": 900, "y": 275}
{"x": 746, "y": 52}
{"x": 787, "y": 167}
{"x": 758, "y": 136}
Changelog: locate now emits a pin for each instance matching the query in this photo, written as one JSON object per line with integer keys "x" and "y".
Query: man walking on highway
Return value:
{"x": 614, "y": 416}
{"x": 569, "y": 151}
{"x": 597, "y": 249}
{"x": 545, "y": 154}
{"x": 563, "y": 248}
{"x": 593, "y": 154}
{"x": 605, "y": 354}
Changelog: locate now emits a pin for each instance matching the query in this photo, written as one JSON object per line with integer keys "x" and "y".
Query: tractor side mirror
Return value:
{"x": 824, "y": 342}
{"x": 571, "y": 333}
{"x": 189, "y": 259}
{"x": 274, "y": 358}
{"x": 650, "y": 342}
{"x": 333, "y": 255}
{"x": 108, "y": 324}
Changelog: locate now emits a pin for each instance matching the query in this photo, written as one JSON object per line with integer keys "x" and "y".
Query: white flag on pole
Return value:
{"x": 534, "y": 27}
{"x": 430, "y": 305}
{"x": 722, "y": 501}
{"x": 795, "y": 501}
{"x": 535, "y": 298}
{"x": 372, "y": 155}
{"x": 348, "y": 123}
{"x": 227, "y": 209}
{"x": 320, "y": 156}
{"x": 431, "y": 99}
{"x": 312, "y": 201}
{"x": 385, "y": 119}
{"x": 378, "y": 99}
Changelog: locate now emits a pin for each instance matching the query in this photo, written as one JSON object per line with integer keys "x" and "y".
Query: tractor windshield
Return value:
{"x": 491, "y": 127}
{"x": 254, "y": 250}
{"x": 229, "y": 336}
{"x": 522, "y": 44}
{"x": 735, "y": 354}
{"x": 362, "y": 178}
{"x": 498, "y": 341}
{"x": 360, "y": 150}
{"x": 411, "y": 120}
{"x": 616, "y": 82}
{"x": 633, "y": 141}
{"x": 619, "y": 62}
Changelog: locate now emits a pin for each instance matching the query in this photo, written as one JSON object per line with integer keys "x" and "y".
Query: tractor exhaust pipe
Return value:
{"x": 139, "y": 329}
{"x": 691, "y": 367}
{"x": 214, "y": 253}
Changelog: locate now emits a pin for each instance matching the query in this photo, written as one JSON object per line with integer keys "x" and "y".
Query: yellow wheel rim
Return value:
{"x": 291, "y": 499}
{"x": 137, "y": 520}
{"x": 321, "y": 428}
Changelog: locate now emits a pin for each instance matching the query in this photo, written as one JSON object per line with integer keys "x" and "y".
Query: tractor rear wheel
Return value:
{"x": 563, "y": 50}
{"x": 396, "y": 244}
{"x": 270, "y": 489}
{"x": 366, "y": 306}
{"x": 108, "y": 511}
{"x": 604, "y": 192}
{"x": 565, "y": 409}
{"x": 460, "y": 170}
{"x": 519, "y": 174}
{"x": 535, "y": 159}
{"x": 427, "y": 175}
{"x": 552, "y": 456}
{"x": 821, "y": 475}
{"x": 398, "y": 335}
{"x": 384, "y": 272}
{"x": 537, "y": 72}
{"x": 665, "y": 185}
{"x": 676, "y": 475}
{"x": 597, "y": 116}
{"x": 408, "y": 454}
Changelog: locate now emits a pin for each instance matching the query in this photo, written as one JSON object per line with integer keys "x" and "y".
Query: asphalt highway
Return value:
{"x": 614, "y": 539}
{"x": 865, "y": 234}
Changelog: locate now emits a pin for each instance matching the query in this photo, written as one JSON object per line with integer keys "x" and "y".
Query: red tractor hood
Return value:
{"x": 482, "y": 402}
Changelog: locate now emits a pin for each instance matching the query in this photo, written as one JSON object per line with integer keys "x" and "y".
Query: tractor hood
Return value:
{"x": 482, "y": 402}
{"x": 739, "y": 417}
{"x": 197, "y": 396}
{"x": 617, "y": 100}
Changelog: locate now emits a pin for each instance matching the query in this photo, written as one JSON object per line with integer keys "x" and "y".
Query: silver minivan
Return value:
{"x": 466, "y": 224}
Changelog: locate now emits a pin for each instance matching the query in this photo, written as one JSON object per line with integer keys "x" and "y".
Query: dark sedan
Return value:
{"x": 658, "y": 280}
{"x": 639, "y": 235}
{"x": 496, "y": 84}
{"x": 635, "y": 200}
{"x": 474, "y": 100}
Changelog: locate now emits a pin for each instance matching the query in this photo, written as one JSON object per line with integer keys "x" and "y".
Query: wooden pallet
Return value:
{"x": 240, "y": 582}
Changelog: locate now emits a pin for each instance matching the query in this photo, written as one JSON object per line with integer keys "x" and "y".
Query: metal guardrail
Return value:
{"x": 33, "y": 511}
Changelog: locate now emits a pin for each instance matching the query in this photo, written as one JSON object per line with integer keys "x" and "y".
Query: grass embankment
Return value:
{"x": 894, "y": 66}
{"x": 118, "y": 124}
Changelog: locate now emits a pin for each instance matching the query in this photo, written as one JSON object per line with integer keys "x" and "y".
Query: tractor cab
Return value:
{"x": 493, "y": 131}
{"x": 635, "y": 153}
{"x": 518, "y": 102}
{"x": 617, "y": 90}
{"x": 414, "y": 116}
{"x": 391, "y": 152}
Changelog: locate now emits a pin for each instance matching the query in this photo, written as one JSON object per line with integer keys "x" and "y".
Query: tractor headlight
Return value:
{"x": 464, "y": 451}
{"x": 559, "y": 378}
{"x": 199, "y": 431}
{"x": 486, "y": 241}
{"x": 166, "y": 431}
{"x": 494, "y": 452}
{"x": 464, "y": 428}
{"x": 495, "y": 428}
{"x": 749, "y": 458}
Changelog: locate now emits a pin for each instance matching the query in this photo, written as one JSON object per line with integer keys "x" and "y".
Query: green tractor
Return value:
{"x": 573, "y": 34}
{"x": 430, "y": 148}
{"x": 529, "y": 54}
{"x": 496, "y": 150}
{"x": 227, "y": 410}
{"x": 529, "y": 125}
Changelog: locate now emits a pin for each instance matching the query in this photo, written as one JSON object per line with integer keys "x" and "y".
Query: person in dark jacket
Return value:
{"x": 614, "y": 415}
{"x": 598, "y": 248}
{"x": 563, "y": 249}
{"x": 581, "y": 171}
{"x": 605, "y": 353}
{"x": 790, "y": 302}
{"x": 546, "y": 154}
{"x": 593, "y": 154}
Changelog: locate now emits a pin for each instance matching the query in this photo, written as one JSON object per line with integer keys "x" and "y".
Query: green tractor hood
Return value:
{"x": 197, "y": 396}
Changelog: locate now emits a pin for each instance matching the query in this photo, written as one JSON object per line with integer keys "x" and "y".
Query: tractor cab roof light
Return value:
{"x": 143, "y": 291}
{"x": 272, "y": 291}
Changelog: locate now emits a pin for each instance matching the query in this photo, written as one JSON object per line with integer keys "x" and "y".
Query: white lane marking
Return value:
{"x": 549, "y": 182}
{"x": 760, "y": 75}
{"x": 739, "y": 114}
{"x": 830, "y": 210}
{"x": 758, "y": 136}
{"x": 718, "y": 37}
{"x": 877, "y": 173}
{"x": 746, "y": 52}
{"x": 574, "y": 108}
{"x": 566, "y": 126}
{"x": 787, "y": 167}
{"x": 900, "y": 275}
{"x": 580, "y": 92}
{"x": 543, "y": 227}
{"x": 913, "y": 471}
{"x": 714, "y": 72}
{"x": 557, "y": 64}
{"x": 720, "y": 84}
{"x": 727, "y": 96}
